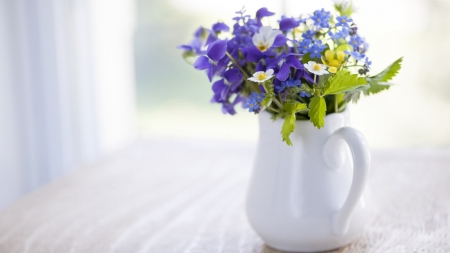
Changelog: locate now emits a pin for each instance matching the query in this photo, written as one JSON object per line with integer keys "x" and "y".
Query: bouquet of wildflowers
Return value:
{"x": 312, "y": 65}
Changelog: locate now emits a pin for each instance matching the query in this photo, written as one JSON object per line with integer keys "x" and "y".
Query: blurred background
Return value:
{"x": 80, "y": 79}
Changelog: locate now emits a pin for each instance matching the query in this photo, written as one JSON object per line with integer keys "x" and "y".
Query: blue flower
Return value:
{"x": 258, "y": 97}
{"x": 343, "y": 21}
{"x": 280, "y": 87}
{"x": 340, "y": 34}
{"x": 305, "y": 45}
{"x": 321, "y": 18}
{"x": 315, "y": 50}
{"x": 304, "y": 94}
{"x": 251, "y": 104}
{"x": 367, "y": 63}
{"x": 292, "y": 83}
{"x": 355, "y": 54}
{"x": 355, "y": 41}
{"x": 309, "y": 35}
{"x": 323, "y": 14}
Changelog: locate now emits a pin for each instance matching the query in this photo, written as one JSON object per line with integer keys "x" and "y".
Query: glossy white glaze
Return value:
{"x": 307, "y": 197}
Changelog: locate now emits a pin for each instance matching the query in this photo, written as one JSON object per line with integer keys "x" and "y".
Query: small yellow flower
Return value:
{"x": 333, "y": 60}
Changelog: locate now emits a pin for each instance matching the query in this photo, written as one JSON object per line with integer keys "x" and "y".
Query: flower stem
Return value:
{"x": 235, "y": 63}
{"x": 335, "y": 103}
{"x": 253, "y": 87}
{"x": 273, "y": 109}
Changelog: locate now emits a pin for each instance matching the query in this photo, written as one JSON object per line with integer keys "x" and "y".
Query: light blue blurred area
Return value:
{"x": 161, "y": 72}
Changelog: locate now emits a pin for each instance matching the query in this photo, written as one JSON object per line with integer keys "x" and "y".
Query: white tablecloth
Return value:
{"x": 188, "y": 196}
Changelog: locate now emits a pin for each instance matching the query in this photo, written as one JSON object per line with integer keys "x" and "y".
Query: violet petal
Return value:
{"x": 216, "y": 50}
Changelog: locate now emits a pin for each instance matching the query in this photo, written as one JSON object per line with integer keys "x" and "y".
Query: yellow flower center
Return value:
{"x": 317, "y": 67}
{"x": 343, "y": 21}
{"x": 261, "y": 76}
{"x": 262, "y": 47}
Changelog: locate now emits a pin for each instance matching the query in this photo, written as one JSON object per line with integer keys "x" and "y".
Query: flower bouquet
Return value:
{"x": 303, "y": 69}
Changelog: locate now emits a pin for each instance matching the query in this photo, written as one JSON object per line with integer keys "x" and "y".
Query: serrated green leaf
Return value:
{"x": 317, "y": 111}
{"x": 376, "y": 87}
{"x": 288, "y": 127}
{"x": 323, "y": 79}
{"x": 343, "y": 81}
{"x": 352, "y": 96}
{"x": 389, "y": 72}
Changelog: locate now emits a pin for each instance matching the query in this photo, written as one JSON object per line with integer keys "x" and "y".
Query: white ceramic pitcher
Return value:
{"x": 309, "y": 196}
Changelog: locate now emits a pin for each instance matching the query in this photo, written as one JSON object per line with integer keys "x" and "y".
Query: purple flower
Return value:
{"x": 288, "y": 23}
{"x": 228, "y": 107}
{"x": 220, "y": 27}
{"x": 353, "y": 31}
{"x": 301, "y": 73}
{"x": 284, "y": 62}
{"x": 230, "y": 83}
{"x": 216, "y": 52}
{"x": 263, "y": 12}
{"x": 195, "y": 46}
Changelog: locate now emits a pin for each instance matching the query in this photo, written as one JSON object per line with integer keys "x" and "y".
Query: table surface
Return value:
{"x": 188, "y": 196}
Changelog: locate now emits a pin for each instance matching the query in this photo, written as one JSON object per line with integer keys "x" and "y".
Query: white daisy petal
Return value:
{"x": 256, "y": 74}
{"x": 269, "y": 72}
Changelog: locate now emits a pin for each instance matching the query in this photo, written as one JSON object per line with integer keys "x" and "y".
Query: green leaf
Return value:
{"x": 352, "y": 96}
{"x": 344, "y": 9}
{"x": 317, "y": 111}
{"x": 323, "y": 79}
{"x": 344, "y": 47}
{"x": 342, "y": 82}
{"x": 388, "y": 73}
{"x": 375, "y": 87}
{"x": 288, "y": 127}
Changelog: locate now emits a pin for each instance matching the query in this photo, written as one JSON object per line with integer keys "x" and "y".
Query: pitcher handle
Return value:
{"x": 361, "y": 163}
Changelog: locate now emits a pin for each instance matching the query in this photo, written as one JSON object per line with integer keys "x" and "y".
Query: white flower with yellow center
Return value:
{"x": 265, "y": 38}
{"x": 262, "y": 76}
{"x": 316, "y": 68}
